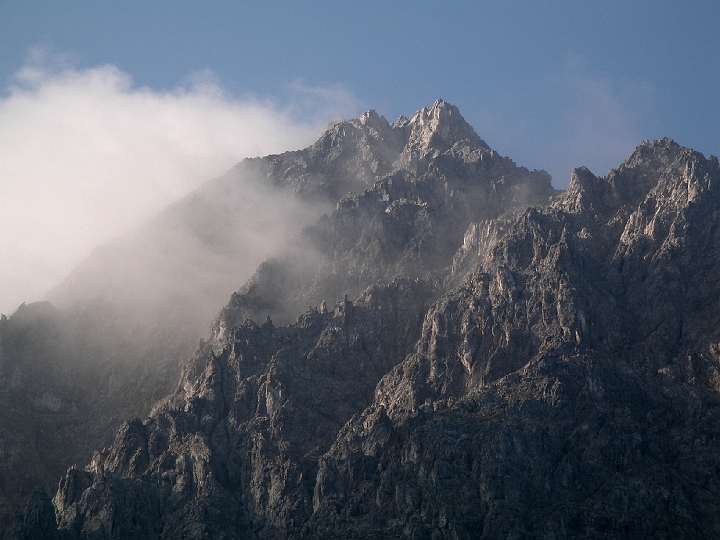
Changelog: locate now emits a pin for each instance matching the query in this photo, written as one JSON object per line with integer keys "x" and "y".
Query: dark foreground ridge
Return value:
{"x": 482, "y": 362}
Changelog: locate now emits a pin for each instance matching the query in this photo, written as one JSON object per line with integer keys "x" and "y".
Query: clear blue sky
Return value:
{"x": 542, "y": 82}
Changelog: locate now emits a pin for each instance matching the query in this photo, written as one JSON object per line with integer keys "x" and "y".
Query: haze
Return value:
{"x": 85, "y": 156}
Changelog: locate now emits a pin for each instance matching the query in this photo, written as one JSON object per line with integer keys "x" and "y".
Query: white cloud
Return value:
{"x": 85, "y": 156}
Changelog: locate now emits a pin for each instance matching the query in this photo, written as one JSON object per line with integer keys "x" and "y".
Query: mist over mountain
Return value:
{"x": 425, "y": 341}
{"x": 87, "y": 155}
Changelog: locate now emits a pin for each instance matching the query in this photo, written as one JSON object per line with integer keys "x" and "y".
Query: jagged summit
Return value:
{"x": 436, "y": 130}
{"x": 358, "y": 152}
{"x": 437, "y": 127}
{"x": 372, "y": 119}
{"x": 661, "y": 165}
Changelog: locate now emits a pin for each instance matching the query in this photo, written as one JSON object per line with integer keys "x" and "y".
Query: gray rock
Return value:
{"x": 392, "y": 246}
{"x": 567, "y": 389}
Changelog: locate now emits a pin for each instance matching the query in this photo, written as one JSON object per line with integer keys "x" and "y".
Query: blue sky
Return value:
{"x": 522, "y": 73}
{"x": 551, "y": 84}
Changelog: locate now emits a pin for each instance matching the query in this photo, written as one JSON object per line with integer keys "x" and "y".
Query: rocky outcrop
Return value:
{"x": 235, "y": 449}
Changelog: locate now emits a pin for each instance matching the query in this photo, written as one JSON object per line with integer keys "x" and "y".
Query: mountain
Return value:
{"x": 568, "y": 388}
{"x": 456, "y": 351}
{"x": 119, "y": 328}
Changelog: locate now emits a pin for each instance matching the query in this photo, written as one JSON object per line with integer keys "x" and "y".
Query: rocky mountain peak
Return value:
{"x": 372, "y": 119}
{"x": 655, "y": 169}
{"x": 433, "y": 131}
{"x": 365, "y": 131}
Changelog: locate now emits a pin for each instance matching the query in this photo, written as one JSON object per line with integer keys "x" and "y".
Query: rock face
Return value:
{"x": 120, "y": 327}
{"x": 473, "y": 368}
{"x": 568, "y": 388}
{"x": 440, "y": 177}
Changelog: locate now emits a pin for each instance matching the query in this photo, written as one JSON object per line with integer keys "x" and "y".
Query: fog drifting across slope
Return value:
{"x": 178, "y": 269}
{"x": 85, "y": 156}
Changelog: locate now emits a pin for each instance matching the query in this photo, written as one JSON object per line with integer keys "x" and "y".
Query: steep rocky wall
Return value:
{"x": 569, "y": 388}
{"x": 405, "y": 229}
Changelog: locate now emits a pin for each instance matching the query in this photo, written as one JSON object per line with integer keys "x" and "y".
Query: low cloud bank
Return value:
{"x": 85, "y": 156}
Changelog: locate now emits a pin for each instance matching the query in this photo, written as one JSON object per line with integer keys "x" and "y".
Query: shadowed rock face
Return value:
{"x": 474, "y": 369}
{"x": 568, "y": 387}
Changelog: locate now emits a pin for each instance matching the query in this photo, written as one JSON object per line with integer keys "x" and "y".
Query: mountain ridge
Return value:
{"x": 486, "y": 358}
{"x": 132, "y": 313}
